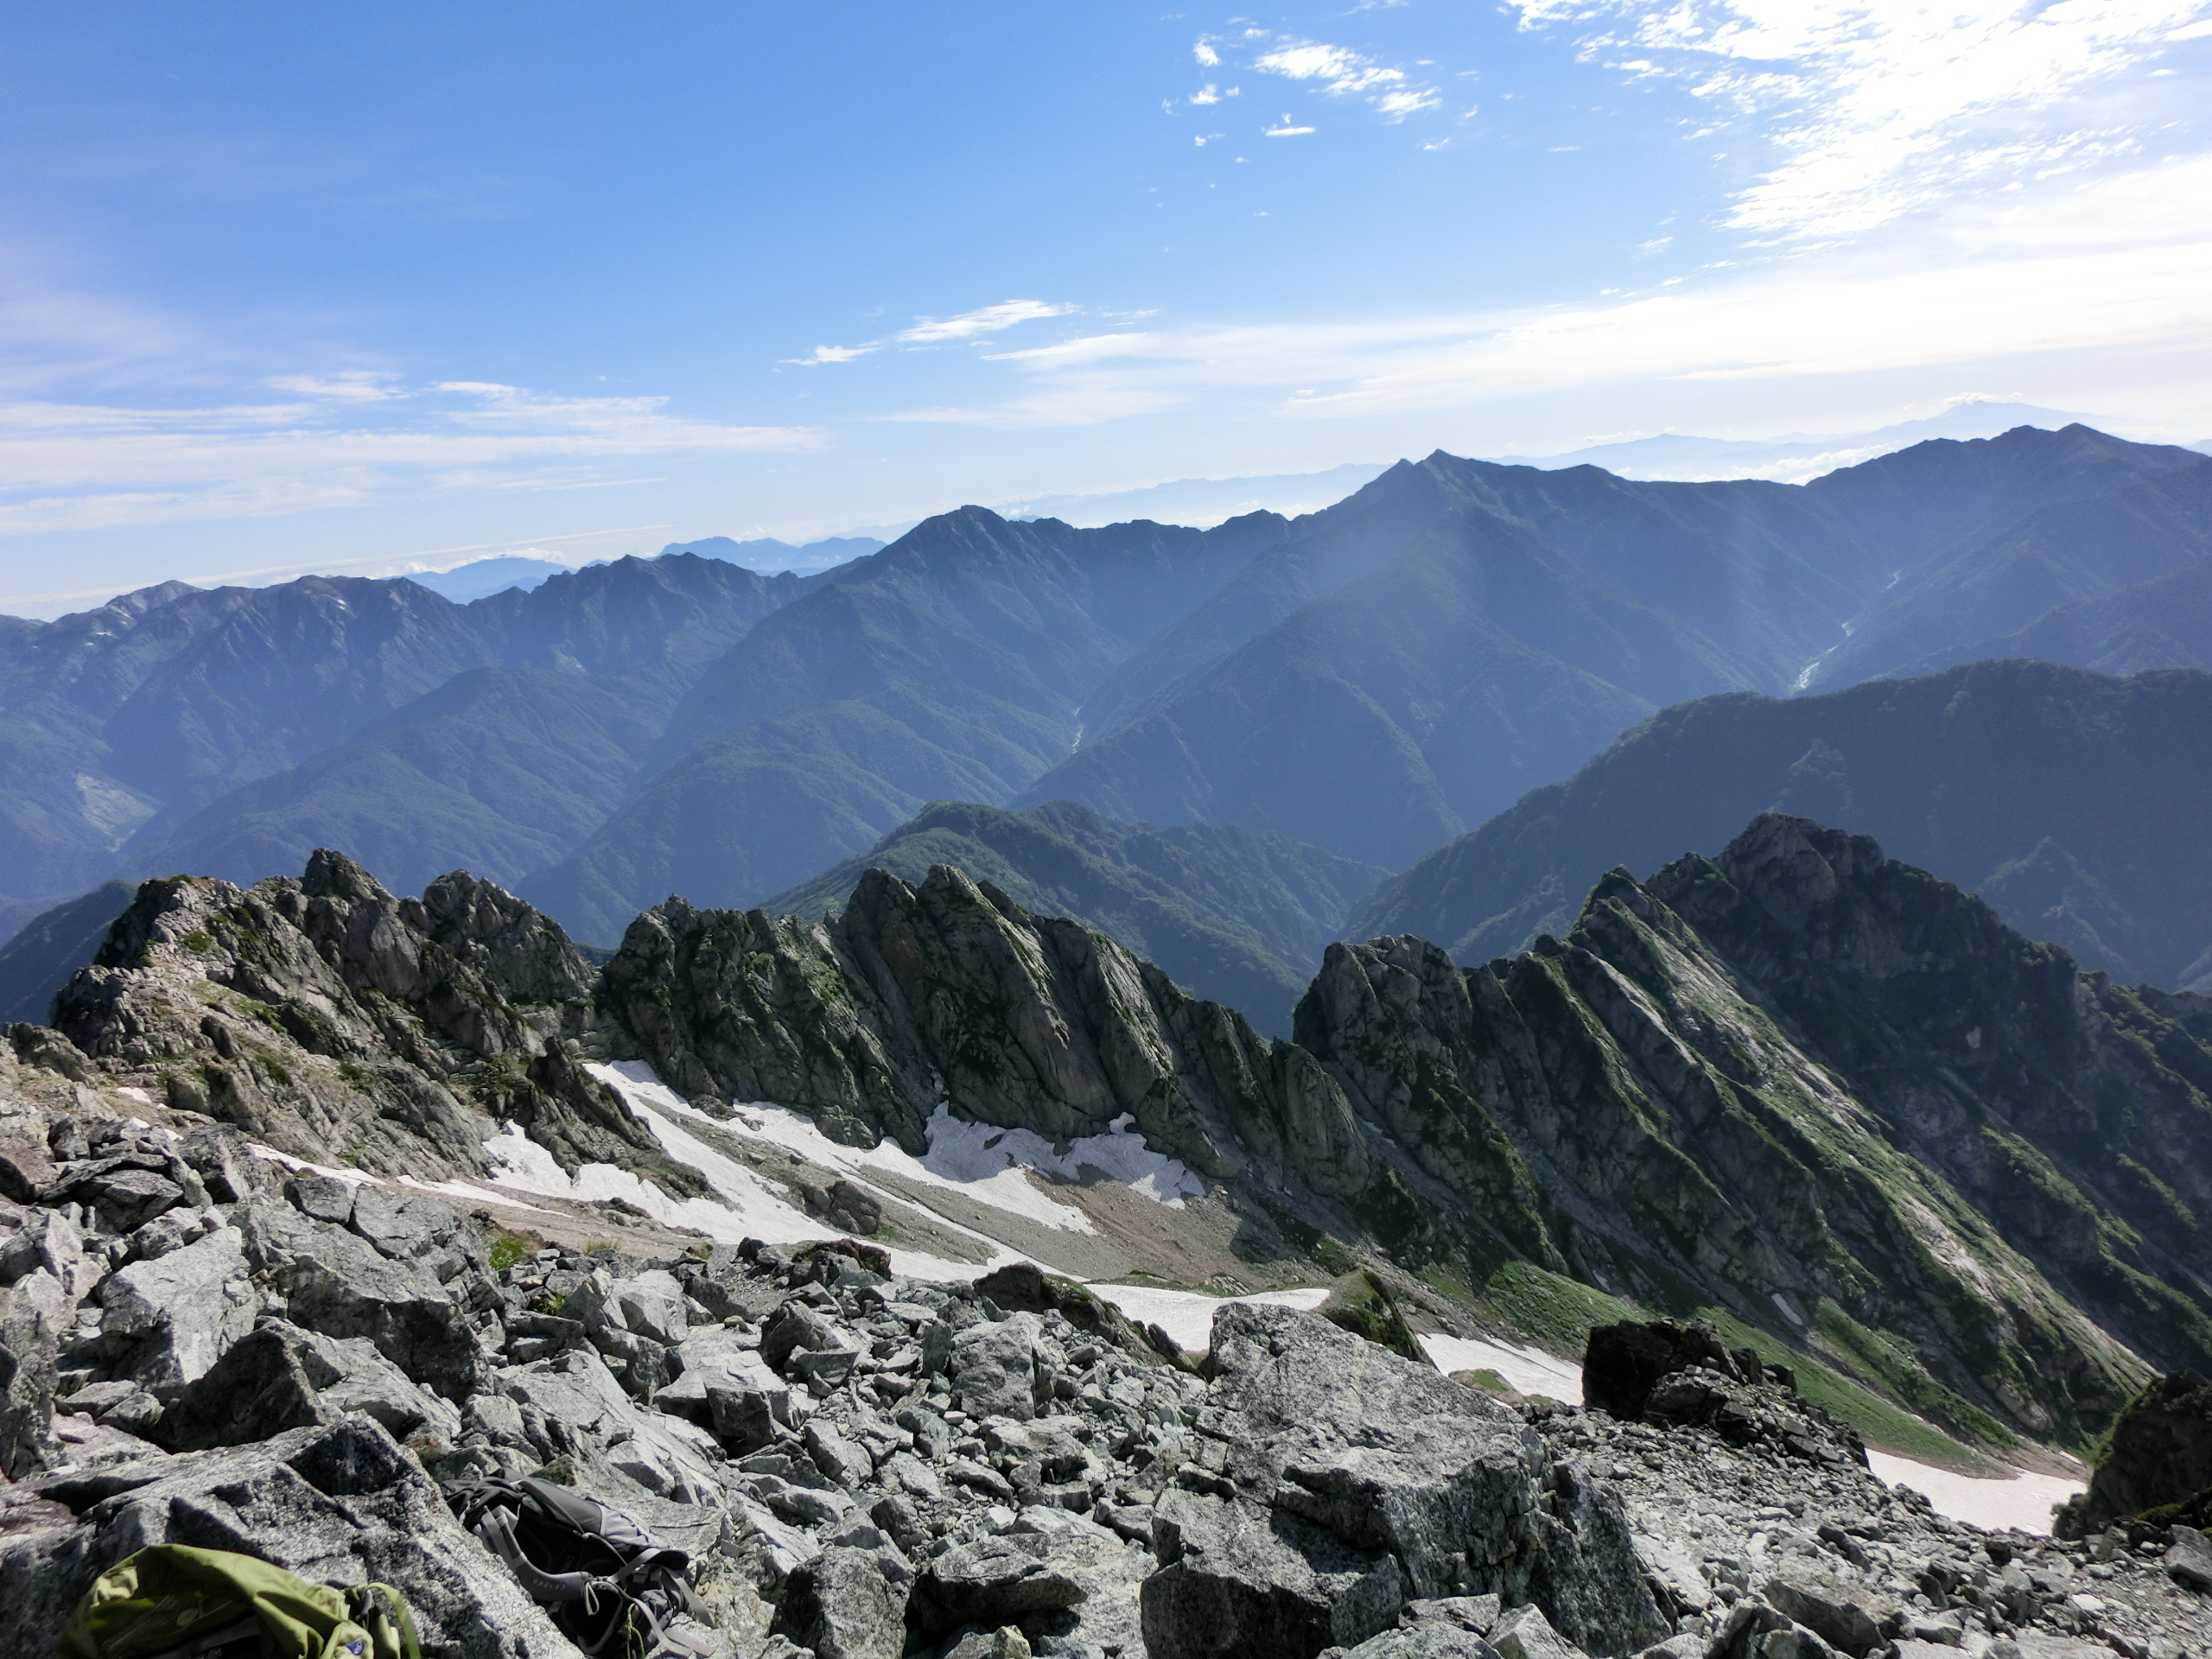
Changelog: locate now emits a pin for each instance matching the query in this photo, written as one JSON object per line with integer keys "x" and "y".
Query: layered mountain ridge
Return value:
{"x": 1799, "y": 1085}
{"x": 1370, "y": 680}
{"x": 2064, "y": 798}
{"x": 1239, "y": 919}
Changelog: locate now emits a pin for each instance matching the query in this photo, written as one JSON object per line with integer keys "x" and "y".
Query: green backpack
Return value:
{"x": 173, "y": 1602}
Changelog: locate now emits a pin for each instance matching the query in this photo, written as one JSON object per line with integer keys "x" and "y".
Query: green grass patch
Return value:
{"x": 1335, "y": 1258}
{"x": 511, "y": 1248}
{"x": 1550, "y": 1305}
{"x": 1361, "y": 1304}
{"x": 1491, "y": 1384}
{"x": 1890, "y": 1361}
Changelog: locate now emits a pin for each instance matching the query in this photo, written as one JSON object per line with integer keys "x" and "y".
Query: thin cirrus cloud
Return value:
{"x": 1877, "y": 109}
{"x": 978, "y": 324}
{"x": 1998, "y": 284}
{"x": 346, "y": 439}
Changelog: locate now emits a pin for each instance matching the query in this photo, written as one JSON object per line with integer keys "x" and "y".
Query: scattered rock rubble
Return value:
{"x": 197, "y": 1348}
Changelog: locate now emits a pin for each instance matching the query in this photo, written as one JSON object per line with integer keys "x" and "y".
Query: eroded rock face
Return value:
{"x": 951, "y": 993}
{"x": 168, "y": 1320}
{"x": 1778, "y": 1073}
{"x": 2158, "y": 1452}
{"x": 324, "y": 1016}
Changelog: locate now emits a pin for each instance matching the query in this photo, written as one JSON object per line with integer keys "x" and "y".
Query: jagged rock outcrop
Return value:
{"x": 950, "y": 993}
{"x": 328, "y": 1019}
{"x": 2158, "y": 1456}
{"x": 1679, "y": 1376}
{"x": 1801, "y": 1083}
{"x": 1827, "y": 1093}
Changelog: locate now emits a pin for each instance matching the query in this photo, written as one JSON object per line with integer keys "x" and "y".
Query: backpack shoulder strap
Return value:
{"x": 382, "y": 1611}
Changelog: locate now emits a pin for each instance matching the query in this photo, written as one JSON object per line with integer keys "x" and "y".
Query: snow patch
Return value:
{"x": 955, "y": 1163}
{"x": 469, "y": 1192}
{"x": 336, "y": 1171}
{"x": 748, "y": 1205}
{"x": 1528, "y": 1370}
{"x": 980, "y": 1161}
{"x": 2023, "y": 1501}
{"x": 1188, "y": 1316}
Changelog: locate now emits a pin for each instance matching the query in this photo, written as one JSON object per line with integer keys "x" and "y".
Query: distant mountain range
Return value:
{"x": 1201, "y": 501}
{"x": 765, "y": 553}
{"x": 1350, "y": 689}
{"x": 1797, "y": 456}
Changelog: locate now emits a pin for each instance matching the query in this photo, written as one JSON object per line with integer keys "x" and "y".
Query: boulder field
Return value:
{"x": 861, "y": 1467}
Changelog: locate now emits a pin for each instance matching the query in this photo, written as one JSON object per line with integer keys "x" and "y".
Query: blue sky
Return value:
{"x": 284, "y": 287}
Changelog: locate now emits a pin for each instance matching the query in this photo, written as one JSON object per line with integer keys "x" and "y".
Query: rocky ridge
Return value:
{"x": 328, "y": 1019}
{"x": 856, "y": 1464}
{"x": 205, "y": 1343}
{"x": 1799, "y": 1084}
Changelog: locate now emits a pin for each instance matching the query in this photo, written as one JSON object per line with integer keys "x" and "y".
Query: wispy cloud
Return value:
{"x": 88, "y": 465}
{"x": 988, "y": 319}
{"x": 346, "y": 386}
{"x": 822, "y": 355}
{"x": 978, "y": 324}
{"x": 1877, "y": 107}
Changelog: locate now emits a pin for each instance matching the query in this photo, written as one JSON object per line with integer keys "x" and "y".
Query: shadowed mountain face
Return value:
{"x": 1460, "y": 631}
{"x": 1239, "y": 919}
{"x": 953, "y": 663}
{"x": 39, "y": 959}
{"x": 2066, "y": 799}
{"x": 2066, "y": 555}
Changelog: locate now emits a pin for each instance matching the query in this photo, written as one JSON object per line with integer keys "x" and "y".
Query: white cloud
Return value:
{"x": 1206, "y": 56}
{"x": 1876, "y": 108}
{"x": 1286, "y": 131}
{"x": 2082, "y": 268}
{"x": 835, "y": 354}
{"x": 1341, "y": 72}
{"x": 988, "y": 319}
{"x": 76, "y": 465}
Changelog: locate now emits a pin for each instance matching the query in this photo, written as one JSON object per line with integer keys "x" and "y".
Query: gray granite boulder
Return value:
{"x": 1334, "y": 1481}
{"x": 167, "y": 1321}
